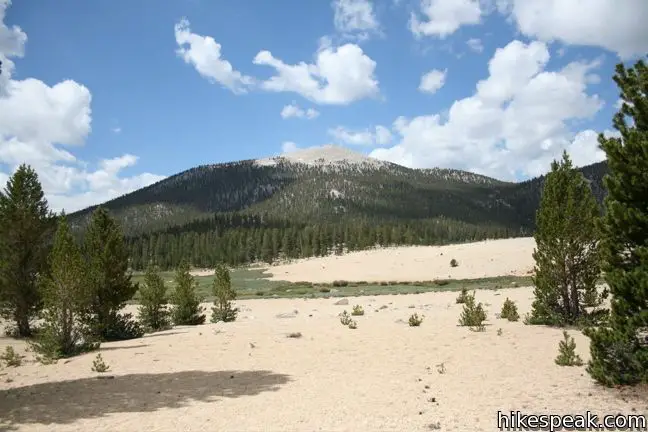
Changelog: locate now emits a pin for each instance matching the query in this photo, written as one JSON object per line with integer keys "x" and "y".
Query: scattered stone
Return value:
{"x": 287, "y": 315}
{"x": 432, "y": 400}
{"x": 231, "y": 376}
{"x": 252, "y": 345}
{"x": 411, "y": 307}
{"x": 383, "y": 307}
{"x": 427, "y": 387}
{"x": 342, "y": 302}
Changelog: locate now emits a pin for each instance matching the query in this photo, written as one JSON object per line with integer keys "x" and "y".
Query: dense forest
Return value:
{"x": 237, "y": 239}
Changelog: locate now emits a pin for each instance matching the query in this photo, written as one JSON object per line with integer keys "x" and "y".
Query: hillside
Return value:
{"x": 342, "y": 197}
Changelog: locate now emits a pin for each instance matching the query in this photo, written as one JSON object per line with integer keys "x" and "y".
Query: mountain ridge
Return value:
{"x": 325, "y": 185}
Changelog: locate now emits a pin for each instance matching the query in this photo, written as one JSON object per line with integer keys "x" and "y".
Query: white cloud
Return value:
{"x": 339, "y": 75}
{"x": 36, "y": 120}
{"x": 293, "y": 110}
{"x": 116, "y": 130}
{"x": 619, "y": 26}
{"x": 444, "y": 17}
{"x": 380, "y": 135}
{"x": 517, "y": 120}
{"x": 354, "y": 17}
{"x": 12, "y": 44}
{"x": 204, "y": 53}
{"x": 432, "y": 81}
{"x": 288, "y": 147}
{"x": 475, "y": 45}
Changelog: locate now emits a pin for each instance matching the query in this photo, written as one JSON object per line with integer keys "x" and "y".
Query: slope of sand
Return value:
{"x": 507, "y": 257}
{"x": 383, "y": 376}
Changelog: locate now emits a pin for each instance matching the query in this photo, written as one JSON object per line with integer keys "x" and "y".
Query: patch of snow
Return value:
{"x": 334, "y": 193}
{"x": 266, "y": 162}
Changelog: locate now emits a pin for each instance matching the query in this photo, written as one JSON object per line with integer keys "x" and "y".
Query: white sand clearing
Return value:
{"x": 508, "y": 257}
{"x": 383, "y": 376}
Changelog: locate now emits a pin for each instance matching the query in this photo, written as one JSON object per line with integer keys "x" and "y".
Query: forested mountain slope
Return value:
{"x": 331, "y": 192}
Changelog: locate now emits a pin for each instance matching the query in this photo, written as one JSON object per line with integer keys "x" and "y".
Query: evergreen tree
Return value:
{"x": 66, "y": 299}
{"x": 187, "y": 309}
{"x": 25, "y": 229}
{"x": 266, "y": 248}
{"x": 619, "y": 351}
{"x": 566, "y": 254}
{"x": 224, "y": 294}
{"x": 110, "y": 281}
{"x": 153, "y": 313}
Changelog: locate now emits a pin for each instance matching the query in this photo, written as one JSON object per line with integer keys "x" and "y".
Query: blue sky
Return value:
{"x": 105, "y": 97}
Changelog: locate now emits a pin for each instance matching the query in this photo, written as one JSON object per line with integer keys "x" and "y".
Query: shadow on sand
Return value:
{"x": 67, "y": 401}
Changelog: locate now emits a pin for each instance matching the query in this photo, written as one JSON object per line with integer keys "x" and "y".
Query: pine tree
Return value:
{"x": 566, "y": 253}
{"x": 66, "y": 298}
{"x": 187, "y": 309}
{"x": 106, "y": 255}
{"x": 619, "y": 352}
{"x": 224, "y": 294}
{"x": 266, "y": 248}
{"x": 153, "y": 313}
{"x": 26, "y": 225}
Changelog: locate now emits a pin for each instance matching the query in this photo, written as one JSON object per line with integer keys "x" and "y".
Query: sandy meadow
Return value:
{"x": 383, "y": 376}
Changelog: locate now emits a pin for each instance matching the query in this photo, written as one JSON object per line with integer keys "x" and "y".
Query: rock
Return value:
{"x": 342, "y": 302}
{"x": 287, "y": 315}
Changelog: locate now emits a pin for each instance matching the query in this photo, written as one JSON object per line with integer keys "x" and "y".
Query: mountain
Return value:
{"x": 330, "y": 187}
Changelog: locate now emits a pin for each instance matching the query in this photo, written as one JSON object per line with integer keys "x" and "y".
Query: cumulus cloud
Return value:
{"x": 517, "y": 120}
{"x": 618, "y": 26}
{"x": 442, "y": 18}
{"x": 293, "y": 110}
{"x": 289, "y": 147}
{"x": 432, "y": 81}
{"x": 339, "y": 75}
{"x": 355, "y": 18}
{"x": 204, "y": 54}
{"x": 37, "y": 121}
{"x": 379, "y": 135}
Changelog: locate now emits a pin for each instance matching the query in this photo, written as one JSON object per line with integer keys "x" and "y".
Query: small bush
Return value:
{"x": 441, "y": 368}
{"x": 567, "y": 352}
{"x": 294, "y": 335}
{"x": 98, "y": 365}
{"x": 415, "y": 320}
{"x": 461, "y": 298}
{"x": 11, "y": 357}
{"x": 499, "y": 332}
{"x": 473, "y": 315}
{"x": 357, "y": 310}
{"x": 122, "y": 327}
{"x": 260, "y": 293}
{"x": 325, "y": 290}
{"x": 345, "y": 318}
{"x": 509, "y": 311}
{"x": 454, "y": 263}
{"x": 340, "y": 283}
{"x": 353, "y": 325}
{"x": 383, "y": 283}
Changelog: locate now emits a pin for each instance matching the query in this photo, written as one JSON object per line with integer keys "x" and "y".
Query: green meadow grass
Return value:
{"x": 253, "y": 283}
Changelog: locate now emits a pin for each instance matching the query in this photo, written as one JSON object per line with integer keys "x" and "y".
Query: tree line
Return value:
{"x": 236, "y": 239}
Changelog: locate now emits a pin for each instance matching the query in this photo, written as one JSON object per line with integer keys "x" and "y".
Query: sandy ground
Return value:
{"x": 383, "y": 376}
{"x": 508, "y": 257}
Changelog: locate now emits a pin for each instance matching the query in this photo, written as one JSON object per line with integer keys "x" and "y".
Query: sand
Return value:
{"x": 383, "y": 376}
{"x": 507, "y": 257}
